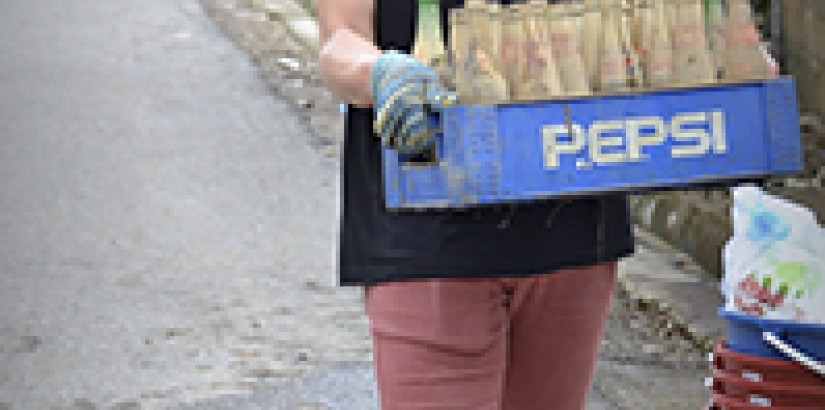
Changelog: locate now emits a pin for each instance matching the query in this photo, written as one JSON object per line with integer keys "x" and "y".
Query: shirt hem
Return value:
{"x": 380, "y": 273}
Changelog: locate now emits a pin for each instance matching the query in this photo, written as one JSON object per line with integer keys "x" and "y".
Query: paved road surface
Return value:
{"x": 166, "y": 228}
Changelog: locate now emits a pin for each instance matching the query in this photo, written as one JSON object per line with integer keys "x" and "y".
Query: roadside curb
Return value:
{"x": 296, "y": 18}
{"x": 281, "y": 38}
{"x": 667, "y": 282}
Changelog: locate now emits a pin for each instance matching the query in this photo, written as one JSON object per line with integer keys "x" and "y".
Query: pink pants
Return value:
{"x": 490, "y": 344}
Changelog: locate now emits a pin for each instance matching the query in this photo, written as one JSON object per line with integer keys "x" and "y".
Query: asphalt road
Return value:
{"x": 166, "y": 229}
{"x": 166, "y": 225}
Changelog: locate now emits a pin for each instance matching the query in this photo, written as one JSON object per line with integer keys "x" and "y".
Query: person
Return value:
{"x": 490, "y": 307}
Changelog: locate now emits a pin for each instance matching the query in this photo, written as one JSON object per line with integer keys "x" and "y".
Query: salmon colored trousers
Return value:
{"x": 490, "y": 344}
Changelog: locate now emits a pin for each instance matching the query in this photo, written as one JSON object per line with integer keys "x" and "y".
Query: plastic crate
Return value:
{"x": 490, "y": 154}
{"x": 745, "y": 335}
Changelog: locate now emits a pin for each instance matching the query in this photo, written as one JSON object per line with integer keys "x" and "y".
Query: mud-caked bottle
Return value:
{"x": 540, "y": 79}
{"x": 565, "y": 34}
{"x": 692, "y": 59}
{"x": 475, "y": 67}
{"x": 659, "y": 60}
{"x": 715, "y": 26}
{"x": 744, "y": 58}
{"x": 591, "y": 32}
{"x": 429, "y": 45}
{"x": 632, "y": 60}
{"x": 513, "y": 50}
{"x": 612, "y": 59}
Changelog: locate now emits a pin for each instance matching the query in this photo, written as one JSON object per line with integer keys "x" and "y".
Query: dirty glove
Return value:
{"x": 405, "y": 91}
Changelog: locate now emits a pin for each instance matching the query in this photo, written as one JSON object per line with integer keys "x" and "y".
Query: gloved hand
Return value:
{"x": 405, "y": 90}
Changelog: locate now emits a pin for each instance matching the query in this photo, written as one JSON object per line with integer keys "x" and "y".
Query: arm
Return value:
{"x": 400, "y": 88}
{"x": 347, "y": 52}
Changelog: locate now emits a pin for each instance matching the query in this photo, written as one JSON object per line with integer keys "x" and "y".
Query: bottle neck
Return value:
{"x": 429, "y": 47}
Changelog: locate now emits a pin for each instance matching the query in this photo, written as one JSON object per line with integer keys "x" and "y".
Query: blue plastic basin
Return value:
{"x": 745, "y": 335}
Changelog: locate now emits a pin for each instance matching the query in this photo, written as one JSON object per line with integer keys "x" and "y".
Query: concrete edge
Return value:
{"x": 305, "y": 31}
{"x": 674, "y": 301}
{"x": 300, "y": 23}
{"x": 673, "y": 321}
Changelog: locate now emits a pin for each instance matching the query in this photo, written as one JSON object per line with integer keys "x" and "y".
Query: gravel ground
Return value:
{"x": 644, "y": 365}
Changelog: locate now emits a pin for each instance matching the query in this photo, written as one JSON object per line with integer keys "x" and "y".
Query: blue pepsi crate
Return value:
{"x": 490, "y": 154}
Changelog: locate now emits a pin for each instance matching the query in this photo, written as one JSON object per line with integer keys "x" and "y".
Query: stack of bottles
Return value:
{"x": 534, "y": 50}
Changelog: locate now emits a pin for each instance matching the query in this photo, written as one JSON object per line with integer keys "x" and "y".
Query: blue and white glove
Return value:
{"x": 405, "y": 90}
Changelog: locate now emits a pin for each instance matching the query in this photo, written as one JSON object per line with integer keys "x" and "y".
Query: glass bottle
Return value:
{"x": 513, "y": 48}
{"x": 460, "y": 51}
{"x": 540, "y": 76}
{"x": 691, "y": 59}
{"x": 634, "y": 71}
{"x": 743, "y": 59}
{"x": 660, "y": 61}
{"x": 612, "y": 64}
{"x": 477, "y": 79}
{"x": 429, "y": 45}
{"x": 591, "y": 28}
{"x": 490, "y": 24}
{"x": 715, "y": 25}
{"x": 565, "y": 22}
{"x": 485, "y": 25}
{"x": 644, "y": 25}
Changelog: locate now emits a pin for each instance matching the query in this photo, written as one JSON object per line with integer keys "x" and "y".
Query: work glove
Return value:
{"x": 405, "y": 92}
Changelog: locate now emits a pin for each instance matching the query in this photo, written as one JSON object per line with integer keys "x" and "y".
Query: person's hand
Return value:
{"x": 405, "y": 90}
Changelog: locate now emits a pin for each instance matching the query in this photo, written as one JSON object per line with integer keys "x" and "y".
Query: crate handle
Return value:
{"x": 774, "y": 340}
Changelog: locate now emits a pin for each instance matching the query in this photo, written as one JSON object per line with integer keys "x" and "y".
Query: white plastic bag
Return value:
{"x": 775, "y": 262}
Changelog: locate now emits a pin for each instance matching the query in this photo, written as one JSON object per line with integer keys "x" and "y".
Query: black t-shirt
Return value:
{"x": 378, "y": 245}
